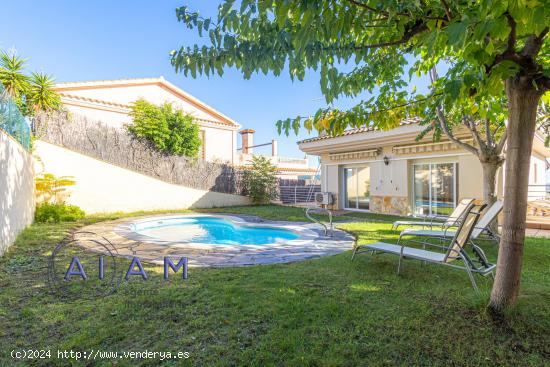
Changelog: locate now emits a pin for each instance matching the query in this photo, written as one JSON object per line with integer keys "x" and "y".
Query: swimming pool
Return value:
{"x": 216, "y": 240}
{"x": 211, "y": 230}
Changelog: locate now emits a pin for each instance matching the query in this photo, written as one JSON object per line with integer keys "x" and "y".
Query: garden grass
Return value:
{"x": 322, "y": 312}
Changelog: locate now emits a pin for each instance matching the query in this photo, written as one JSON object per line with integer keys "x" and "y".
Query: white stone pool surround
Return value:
{"x": 128, "y": 243}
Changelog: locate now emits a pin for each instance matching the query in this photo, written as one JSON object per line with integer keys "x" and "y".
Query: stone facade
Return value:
{"x": 389, "y": 205}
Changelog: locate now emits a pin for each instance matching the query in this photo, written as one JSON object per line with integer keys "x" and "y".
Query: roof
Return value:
{"x": 359, "y": 130}
{"x": 285, "y": 169}
{"x": 125, "y": 108}
{"x": 160, "y": 81}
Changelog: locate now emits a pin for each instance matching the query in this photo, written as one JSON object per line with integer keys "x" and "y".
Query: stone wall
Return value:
{"x": 398, "y": 205}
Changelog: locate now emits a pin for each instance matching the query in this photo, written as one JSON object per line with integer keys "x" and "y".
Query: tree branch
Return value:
{"x": 417, "y": 28}
{"x": 471, "y": 126}
{"x": 374, "y": 10}
{"x": 445, "y": 127}
{"x": 501, "y": 143}
{"x": 533, "y": 44}
{"x": 447, "y": 10}
{"x": 488, "y": 134}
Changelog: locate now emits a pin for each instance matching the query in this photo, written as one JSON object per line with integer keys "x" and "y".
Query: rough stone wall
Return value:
{"x": 398, "y": 205}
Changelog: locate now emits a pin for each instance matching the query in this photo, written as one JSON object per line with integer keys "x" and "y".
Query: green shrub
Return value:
{"x": 57, "y": 212}
{"x": 168, "y": 130}
{"x": 260, "y": 181}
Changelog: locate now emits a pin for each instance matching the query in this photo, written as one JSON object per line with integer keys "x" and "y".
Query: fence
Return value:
{"x": 298, "y": 194}
{"x": 538, "y": 192}
{"x": 117, "y": 147}
{"x": 12, "y": 121}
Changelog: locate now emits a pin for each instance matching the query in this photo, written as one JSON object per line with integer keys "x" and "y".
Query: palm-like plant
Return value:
{"x": 41, "y": 95}
{"x": 16, "y": 84}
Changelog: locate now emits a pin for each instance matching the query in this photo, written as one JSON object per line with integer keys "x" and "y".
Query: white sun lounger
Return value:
{"x": 483, "y": 227}
{"x": 435, "y": 221}
{"x": 442, "y": 255}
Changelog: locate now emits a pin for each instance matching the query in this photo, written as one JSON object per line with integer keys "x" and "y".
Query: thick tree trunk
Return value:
{"x": 523, "y": 100}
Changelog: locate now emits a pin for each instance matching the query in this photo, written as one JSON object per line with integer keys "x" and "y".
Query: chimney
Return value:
{"x": 247, "y": 140}
{"x": 274, "y": 148}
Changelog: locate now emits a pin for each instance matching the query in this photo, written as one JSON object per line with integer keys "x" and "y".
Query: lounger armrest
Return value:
{"x": 425, "y": 244}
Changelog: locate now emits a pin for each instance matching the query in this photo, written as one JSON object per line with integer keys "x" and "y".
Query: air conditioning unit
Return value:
{"x": 323, "y": 198}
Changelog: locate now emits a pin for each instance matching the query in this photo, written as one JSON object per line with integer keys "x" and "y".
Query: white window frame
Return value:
{"x": 343, "y": 185}
{"x": 431, "y": 164}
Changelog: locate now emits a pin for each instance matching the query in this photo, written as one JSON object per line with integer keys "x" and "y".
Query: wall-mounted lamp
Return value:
{"x": 386, "y": 160}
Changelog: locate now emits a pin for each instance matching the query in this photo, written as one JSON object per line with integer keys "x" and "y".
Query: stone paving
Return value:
{"x": 126, "y": 243}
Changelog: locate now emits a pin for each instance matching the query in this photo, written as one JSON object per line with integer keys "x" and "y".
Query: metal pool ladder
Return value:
{"x": 318, "y": 210}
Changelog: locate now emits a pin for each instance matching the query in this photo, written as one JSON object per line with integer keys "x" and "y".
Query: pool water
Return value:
{"x": 211, "y": 230}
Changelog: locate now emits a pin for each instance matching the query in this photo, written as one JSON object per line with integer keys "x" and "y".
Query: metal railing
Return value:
{"x": 538, "y": 192}
{"x": 298, "y": 194}
{"x": 12, "y": 120}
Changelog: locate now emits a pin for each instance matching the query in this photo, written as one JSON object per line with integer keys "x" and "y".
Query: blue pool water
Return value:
{"x": 211, "y": 230}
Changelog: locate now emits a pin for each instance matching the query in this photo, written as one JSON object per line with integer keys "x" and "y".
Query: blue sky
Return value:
{"x": 78, "y": 40}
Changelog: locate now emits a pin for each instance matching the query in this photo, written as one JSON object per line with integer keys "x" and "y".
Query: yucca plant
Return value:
{"x": 16, "y": 84}
{"x": 41, "y": 95}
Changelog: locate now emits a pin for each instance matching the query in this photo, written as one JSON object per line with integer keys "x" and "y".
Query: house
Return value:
{"x": 287, "y": 167}
{"x": 109, "y": 101}
{"x": 367, "y": 169}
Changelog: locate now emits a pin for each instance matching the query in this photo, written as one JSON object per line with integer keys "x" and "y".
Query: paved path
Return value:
{"x": 126, "y": 244}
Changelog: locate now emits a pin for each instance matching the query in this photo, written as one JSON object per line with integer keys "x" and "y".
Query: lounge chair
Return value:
{"x": 482, "y": 229}
{"x": 446, "y": 255}
{"x": 435, "y": 221}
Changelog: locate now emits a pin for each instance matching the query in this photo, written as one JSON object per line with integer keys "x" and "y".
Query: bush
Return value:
{"x": 58, "y": 212}
{"x": 170, "y": 131}
{"x": 261, "y": 181}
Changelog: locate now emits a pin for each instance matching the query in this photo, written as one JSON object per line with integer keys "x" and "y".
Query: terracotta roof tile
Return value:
{"x": 359, "y": 130}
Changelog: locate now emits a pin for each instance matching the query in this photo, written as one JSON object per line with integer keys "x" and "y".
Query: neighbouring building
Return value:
{"x": 107, "y": 185}
{"x": 109, "y": 101}
{"x": 391, "y": 172}
{"x": 287, "y": 167}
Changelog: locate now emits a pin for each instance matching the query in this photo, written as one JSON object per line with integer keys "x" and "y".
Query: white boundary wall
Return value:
{"x": 16, "y": 190}
{"x": 102, "y": 187}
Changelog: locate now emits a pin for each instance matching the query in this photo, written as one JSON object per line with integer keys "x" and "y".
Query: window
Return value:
{"x": 435, "y": 188}
{"x": 356, "y": 187}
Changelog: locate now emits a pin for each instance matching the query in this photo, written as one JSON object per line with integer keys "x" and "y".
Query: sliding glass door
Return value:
{"x": 356, "y": 187}
{"x": 435, "y": 188}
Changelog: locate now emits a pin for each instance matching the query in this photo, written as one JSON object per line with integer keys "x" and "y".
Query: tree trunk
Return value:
{"x": 523, "y": 100}
{"x": 489, "y": 182}
{"x": 490, "y": 169}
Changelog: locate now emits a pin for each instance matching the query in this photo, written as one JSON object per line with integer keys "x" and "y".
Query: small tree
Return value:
{"x": 51, "y": 188}
{"x": 169, "y": 130}
{"x": 261, "y": 181}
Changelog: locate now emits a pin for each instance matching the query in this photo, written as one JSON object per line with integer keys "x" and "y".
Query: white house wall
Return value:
{"x": 16, "y": 190}
{"x": 220, "y": 144}
{"x": 129, "y": 93}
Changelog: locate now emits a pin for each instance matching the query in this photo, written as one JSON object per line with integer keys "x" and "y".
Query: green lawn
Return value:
{"x": 322, "y": 312}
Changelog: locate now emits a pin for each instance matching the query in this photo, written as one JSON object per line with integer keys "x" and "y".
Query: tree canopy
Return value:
{"x": 489, "y": 61}
{"x": 480, "y": 44}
